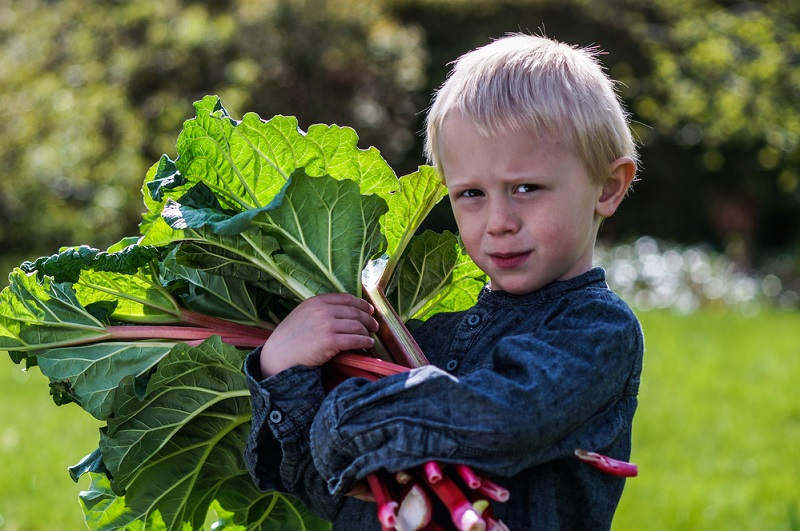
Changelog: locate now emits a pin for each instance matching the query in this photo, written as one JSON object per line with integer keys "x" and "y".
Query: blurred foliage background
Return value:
{"x": 93, "y": 97}
{"x": 94, "y": 93}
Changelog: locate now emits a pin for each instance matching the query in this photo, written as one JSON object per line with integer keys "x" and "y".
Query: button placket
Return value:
{"x": 464, "y": 337}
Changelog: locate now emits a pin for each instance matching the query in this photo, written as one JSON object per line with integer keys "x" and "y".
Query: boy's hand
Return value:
{"x": 362, "y": 492}
{"x": 318, "y": 329}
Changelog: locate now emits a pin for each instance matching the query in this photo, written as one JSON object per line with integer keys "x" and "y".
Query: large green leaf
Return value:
{"x": 434, "y": 275}
{"x": 38, "y": 314}
{"x": 245, "y": 166}
{"x": 227, "y": 296}
{"x": 105, "y": 511}
{"x": 327, "y": 231}
{"x": 245, "y": 509}
{"x": 246, "y": 163}
{"x": 67, "y": 265}
{"x": 90, "y": 374}
{"x": 317, "y": 240}
{"x": 138, "y": 298}
{"x": 127, "y": 277}
{"x": 178, "y": 446}
{"x": 419, "y": 192}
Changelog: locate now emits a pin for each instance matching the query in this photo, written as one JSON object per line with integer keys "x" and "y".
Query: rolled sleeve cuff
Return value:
{"x": 363, "y": 426}
{"x": 287, "y": 401}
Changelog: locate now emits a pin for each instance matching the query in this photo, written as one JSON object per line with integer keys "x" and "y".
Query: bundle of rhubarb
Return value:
{"x": 148, "y": 336}
{"x": 406, "y": 499}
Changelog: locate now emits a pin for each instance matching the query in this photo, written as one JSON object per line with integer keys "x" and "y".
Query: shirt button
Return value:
{"x": 474, "y": 320}
{"x": 275, "y": 416}
{"x": 451, "y": 365}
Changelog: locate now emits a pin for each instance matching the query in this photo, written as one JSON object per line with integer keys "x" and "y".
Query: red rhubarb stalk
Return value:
{"x": 345, "y": 371}
{"x": 241, "y": 342}
{"x": 188, "y": 334}
{"x": 404, "y": 350}
{"x": 179, "y": 333}
{"x": 470, "y": 478}
{"x": 393, "y": 332}
{"x": 387, "y": 507}
{"x": 217, "y": 323}
{"x": 493, "y": 491}
{"x": 496, "y": 525}
{"x": 615, "y": 467}
{"x": 480, "y": 504}
{"x": 461, "y": 511}
{"x": 433, "y": 472}
{"x": 366, "y": 363}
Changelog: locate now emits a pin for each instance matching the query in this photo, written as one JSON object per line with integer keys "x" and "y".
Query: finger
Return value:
{"x": 347, "y": 300}
{"x": 340, "y": 298}
{"x": 361, "y": 320}
{"x": 362, "y": 492}
{"x": 345, "y": 342}
{"x": 360, "y": 312}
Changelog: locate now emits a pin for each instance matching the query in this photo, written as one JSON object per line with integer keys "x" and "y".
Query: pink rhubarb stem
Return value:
{"x": 464, "y": 516}
{"x": 189, "y": 334}
{"x": 352, "y": 372}
{"x": 470, "y": 478}
{"x": 178, "y": 333}
{"x": 496, "y": 525}
{"x": 217, "y": 323}
{"x": 387, "y": 507}
{"x": 615, "y": 467}
{"x": 433, "y": 472}
{"x": 393, "y": 332}
{"x": 493, "y": 491}
{"x": 366, "y": 363}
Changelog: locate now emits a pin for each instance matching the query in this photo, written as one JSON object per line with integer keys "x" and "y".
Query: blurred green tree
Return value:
{"x": 93, "y": 96}
{"x": 714, "y": 90}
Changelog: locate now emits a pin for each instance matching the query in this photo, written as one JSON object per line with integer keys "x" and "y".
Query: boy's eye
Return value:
{"x": 527, "y": 188}
{"x": 471, "y": 193}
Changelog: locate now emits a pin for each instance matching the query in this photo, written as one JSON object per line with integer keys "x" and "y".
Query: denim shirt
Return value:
{"x": 516, "y": 384}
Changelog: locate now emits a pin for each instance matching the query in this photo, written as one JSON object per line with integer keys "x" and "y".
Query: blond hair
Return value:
{"x": 527, "y": 83}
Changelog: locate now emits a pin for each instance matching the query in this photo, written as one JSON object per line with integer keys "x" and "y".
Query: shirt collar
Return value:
{"x": 554, "y": 290}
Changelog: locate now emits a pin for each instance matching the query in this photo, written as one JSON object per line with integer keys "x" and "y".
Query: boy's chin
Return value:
{"x": 515, "y": 287}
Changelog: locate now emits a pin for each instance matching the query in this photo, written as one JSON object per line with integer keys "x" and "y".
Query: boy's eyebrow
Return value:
{"x": 465, "y": 183}
{"x": 525, "y": 177}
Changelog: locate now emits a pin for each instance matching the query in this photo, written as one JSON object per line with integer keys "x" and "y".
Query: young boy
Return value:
{"x": 536, "y": 151}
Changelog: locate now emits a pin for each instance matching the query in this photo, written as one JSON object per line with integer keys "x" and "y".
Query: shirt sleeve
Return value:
{"x": 539, "y": 396}
{"x": 277, "y": 450}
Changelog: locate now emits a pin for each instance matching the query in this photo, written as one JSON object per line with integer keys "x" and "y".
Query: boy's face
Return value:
{"x": 525, "y": 206}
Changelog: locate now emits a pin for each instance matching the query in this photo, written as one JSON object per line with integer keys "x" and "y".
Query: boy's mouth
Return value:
{"x": 509, "y": 260}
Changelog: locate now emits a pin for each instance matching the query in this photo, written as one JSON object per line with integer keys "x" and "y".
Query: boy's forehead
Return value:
{"x": 466, "y": 151}
{"x": 457, "y": 124}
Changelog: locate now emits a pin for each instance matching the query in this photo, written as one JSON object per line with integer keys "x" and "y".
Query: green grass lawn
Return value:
{"x": 38, "y": 441}
{"x": 717, "y": 435}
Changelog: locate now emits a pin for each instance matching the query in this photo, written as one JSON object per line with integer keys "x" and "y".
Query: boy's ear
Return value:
{"x": 621, "y": 174}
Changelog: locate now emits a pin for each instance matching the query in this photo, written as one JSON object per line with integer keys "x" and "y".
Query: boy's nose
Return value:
{"x": 502, "y": 218}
